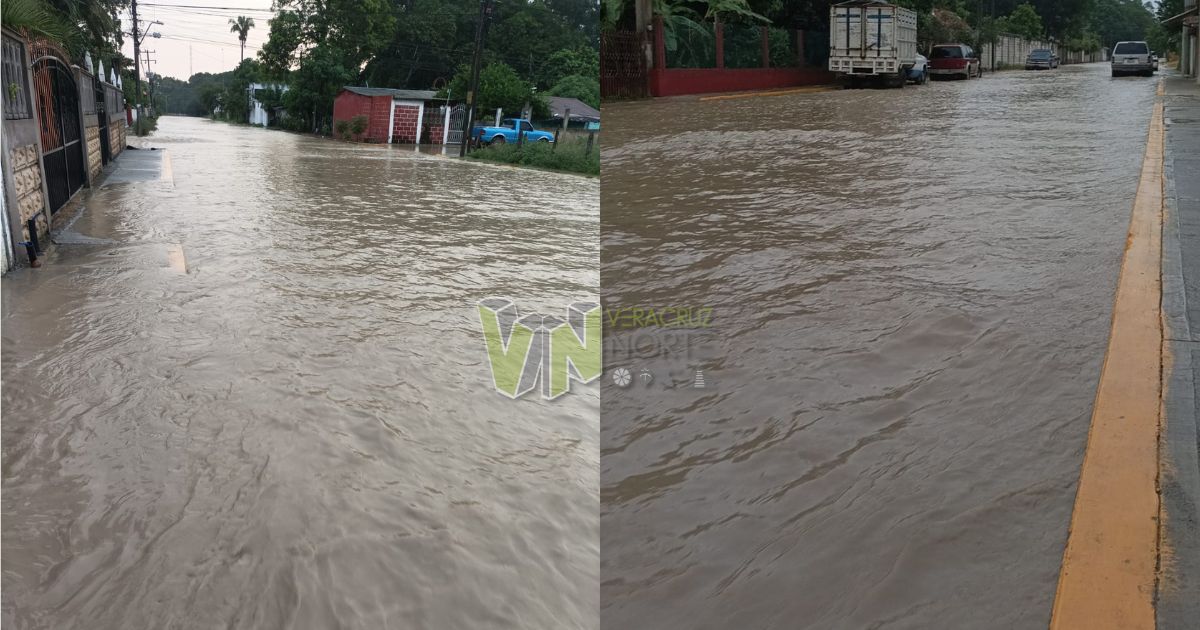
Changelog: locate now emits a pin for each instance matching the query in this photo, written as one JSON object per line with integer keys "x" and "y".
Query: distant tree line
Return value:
{"x": 534, "y": 49}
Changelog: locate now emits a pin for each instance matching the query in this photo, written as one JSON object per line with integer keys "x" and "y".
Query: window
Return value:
{"x": 1132, "y": 48}
{"x": 16, "y": 88}
{"x": 525, "y": 126}
{"x": 946, "y": 52}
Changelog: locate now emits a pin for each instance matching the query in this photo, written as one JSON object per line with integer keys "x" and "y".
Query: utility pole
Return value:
{"x": 994, "y": 44}
{"x": 149, "y": 79}
{"x": 137, "y": 75}
{"x": 485, "y": 12}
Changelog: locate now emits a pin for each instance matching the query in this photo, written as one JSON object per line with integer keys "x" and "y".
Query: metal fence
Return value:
{"x": 623, "y": 64}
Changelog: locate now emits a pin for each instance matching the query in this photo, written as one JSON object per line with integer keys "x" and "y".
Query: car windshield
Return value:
{"x": 1040, "y": 54}
{"x": 946, "y": 52}
{"x": 1131, "y": 48}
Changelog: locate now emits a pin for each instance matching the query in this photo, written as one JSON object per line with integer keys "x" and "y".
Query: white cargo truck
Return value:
{"x": 871, "y": 40}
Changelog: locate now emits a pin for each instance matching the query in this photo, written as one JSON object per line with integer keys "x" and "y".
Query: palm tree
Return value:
{"x": 242, "y": 26}
{"x": 36, "y": 17}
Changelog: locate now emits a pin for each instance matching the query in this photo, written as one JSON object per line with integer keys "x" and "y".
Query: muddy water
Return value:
{"x": 301, "y": 431}
{"x": 911, "y": 294}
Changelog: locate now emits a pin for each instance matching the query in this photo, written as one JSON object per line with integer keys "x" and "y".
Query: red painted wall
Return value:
{"x": 347, "y": 105}
{"x": 676, "y": 81}
{"x": 377, "y": 131}
{"x": 405, "y": 129}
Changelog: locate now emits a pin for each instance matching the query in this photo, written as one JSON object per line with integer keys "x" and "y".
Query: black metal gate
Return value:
{"x": 61, "y": 129}
{"x": 102, "y": 118}
{"x": 623, "y": 65}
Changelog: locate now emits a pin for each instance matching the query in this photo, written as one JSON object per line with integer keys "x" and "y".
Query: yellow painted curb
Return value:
{"x": 1107, "y": 578}
{"x": 176, "y": 260}
{"x": 167, "y": 174}
{"x": 803, "y": 90}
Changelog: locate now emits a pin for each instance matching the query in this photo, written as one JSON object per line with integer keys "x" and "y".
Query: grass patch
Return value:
{"x": 144, "y": 125}
{"x": 570, "y": 156}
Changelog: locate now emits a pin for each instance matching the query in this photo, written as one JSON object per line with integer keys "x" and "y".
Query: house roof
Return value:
{"x": 416, "y": 95}
{"x": 579, "y": 109}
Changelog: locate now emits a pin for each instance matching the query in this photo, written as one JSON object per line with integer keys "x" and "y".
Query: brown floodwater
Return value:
{"x": 911, "y": 293}
{"x": 300, "y": 432}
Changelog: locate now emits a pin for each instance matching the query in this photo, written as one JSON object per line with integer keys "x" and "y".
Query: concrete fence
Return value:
{"x": 1010, "y": 52}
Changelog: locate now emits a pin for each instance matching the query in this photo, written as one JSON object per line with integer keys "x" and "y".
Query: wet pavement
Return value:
{"x": 1179, "y": 480}
{"x": 300, "y": 430}
{"x": 911, "y": 295}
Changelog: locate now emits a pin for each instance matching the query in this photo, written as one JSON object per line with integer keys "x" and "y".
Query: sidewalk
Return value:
{"x": 1179, "y": 582}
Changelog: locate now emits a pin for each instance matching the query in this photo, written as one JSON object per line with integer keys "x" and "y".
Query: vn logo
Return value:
{"x": 524, "y": 350}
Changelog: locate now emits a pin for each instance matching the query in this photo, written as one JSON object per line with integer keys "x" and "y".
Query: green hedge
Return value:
{"x": 570, "y": 155}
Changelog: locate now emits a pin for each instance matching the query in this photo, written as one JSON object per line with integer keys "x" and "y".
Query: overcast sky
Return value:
{"x": 197, "y": 39}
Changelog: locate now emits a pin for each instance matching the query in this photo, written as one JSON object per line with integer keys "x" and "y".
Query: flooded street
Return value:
{"x": 911, "y": 296}
{"x": 301, "y": 431}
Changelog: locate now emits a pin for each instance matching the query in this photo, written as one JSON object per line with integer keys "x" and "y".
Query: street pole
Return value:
{"x": 997, "y": 40}
{"x": 149, "y": 80}
{"x": 137, "y": 59}
{"x": 485, "y": 11}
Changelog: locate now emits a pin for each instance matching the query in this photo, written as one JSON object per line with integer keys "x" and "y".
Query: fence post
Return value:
{"x": 719, "y": 36}
{"x": 766, "y": 47}
{"x": 591, "y": 140}
{"x": 660, "y": 44}
{"x": 561, "y": 130}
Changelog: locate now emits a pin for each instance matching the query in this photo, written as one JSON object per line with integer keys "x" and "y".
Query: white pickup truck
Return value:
{"x": 871, "y": 40}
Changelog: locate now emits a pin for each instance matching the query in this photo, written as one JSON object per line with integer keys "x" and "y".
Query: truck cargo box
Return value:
{"x": 871, "y": 38}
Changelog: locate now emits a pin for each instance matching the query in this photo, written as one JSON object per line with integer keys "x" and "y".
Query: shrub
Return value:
{"x": 342, "y": 127}
{"x": 570, "y": 155}
{"x": 144, "y": 125}
{"x": 358, "y": 125}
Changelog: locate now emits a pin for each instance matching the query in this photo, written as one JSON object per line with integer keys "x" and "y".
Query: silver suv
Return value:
{"x": 1131, "y": 58}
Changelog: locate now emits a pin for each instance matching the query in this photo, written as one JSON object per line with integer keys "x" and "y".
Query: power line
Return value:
{"x": 199, "y": 6}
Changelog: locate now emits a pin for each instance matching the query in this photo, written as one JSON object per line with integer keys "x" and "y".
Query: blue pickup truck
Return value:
{"x": 508, "y": 132}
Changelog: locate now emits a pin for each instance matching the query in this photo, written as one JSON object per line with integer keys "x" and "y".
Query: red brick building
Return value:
{"x": 393, "y": 116}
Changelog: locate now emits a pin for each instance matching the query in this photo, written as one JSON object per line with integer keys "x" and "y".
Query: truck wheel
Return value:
{"x": 498, "y": 140}
{"x": 543, "y": 139}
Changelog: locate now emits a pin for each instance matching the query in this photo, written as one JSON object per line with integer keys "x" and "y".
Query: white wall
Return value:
{"x": 258, "y": 115}
{"x": 1011, "y": 51}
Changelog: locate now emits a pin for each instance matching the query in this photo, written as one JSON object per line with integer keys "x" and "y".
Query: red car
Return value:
{"x": 954, "y": 60}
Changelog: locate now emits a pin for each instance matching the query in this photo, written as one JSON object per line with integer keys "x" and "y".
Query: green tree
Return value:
{"x": 581, "y": 61}
{"x": 499, "y": 86}
{"x": 314, "y": 84}
{"x": 584, "y": 88}
{"x": 241, "y": 26}
{"x": 236, "y": 100}
{"x": 1025, "y": 21}
{"x": 279, "y": 54}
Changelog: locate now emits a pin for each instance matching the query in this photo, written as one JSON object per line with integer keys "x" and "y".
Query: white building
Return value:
{"x": 259, "y": 115}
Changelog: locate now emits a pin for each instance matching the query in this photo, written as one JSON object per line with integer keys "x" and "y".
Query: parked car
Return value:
{"x": 919, "y": 72}
{"x": 1131, "y": 58}
{"x": 1154, "y": 61}
{"x": 954, "y": 60}
{"x": 1040, "y": 59}
{"x": 508, "y": 132}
